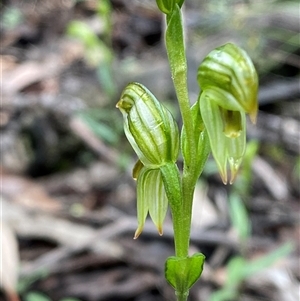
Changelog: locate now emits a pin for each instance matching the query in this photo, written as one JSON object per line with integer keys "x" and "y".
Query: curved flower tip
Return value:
{"x": 160, "y": 230}
{"x": 253, "y": 113}
{"x": 234, "y": 168}
{"x": 223, "y": 175}
{"x": 137, "y": 233}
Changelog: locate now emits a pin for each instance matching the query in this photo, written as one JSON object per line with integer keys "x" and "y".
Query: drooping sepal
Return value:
{"x": 151, "y": 197}
{"x": 226, "y": 149}
{"x": 149, "y": 126}
{"x": 182, "y": 272}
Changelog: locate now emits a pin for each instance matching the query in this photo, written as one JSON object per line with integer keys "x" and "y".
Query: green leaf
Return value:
{"x": 239, "y": 217}
{"x": 268, "y": 260}
{"x": 100, "y": 128}
{"x": 182, "y": 273}
{"x": 236, "y": 269}
{"x": 36, "y": 296}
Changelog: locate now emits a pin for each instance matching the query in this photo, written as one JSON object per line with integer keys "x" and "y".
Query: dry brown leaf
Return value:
{"x": 27, "y": 193}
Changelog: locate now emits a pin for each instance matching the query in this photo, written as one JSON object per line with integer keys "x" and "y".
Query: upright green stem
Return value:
{"x": 182, "y": 210}
{"x": 178, "y": 65}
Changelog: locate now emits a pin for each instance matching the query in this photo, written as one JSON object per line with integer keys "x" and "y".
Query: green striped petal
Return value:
{"x": 149, "y": 126}
{"x": 230, "y": 72}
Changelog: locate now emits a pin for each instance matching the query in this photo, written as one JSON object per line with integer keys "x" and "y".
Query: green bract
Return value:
{"x": 201, "y": 140}
{"x": 149, "y": 126}
{"x": 229, "y": 86}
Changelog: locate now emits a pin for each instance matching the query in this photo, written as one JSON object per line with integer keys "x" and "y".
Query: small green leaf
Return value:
{"x": 182, "y": 273}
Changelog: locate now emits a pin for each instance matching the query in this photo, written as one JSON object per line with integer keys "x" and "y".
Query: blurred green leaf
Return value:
{"x": 239, "y": 217}
{"x": 25, "y": 282}
{"x": 105, "y": 132}
{"x": 268, "y": 260}
{"x": 36, "y": 296}
{"x": 105, "y": 123}
{"x": 11, "y": 18}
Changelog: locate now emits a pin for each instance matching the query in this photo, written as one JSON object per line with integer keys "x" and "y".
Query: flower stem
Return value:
{"x": 178, "y": 65}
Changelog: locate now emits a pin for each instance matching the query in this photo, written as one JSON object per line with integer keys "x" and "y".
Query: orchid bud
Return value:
{"x": 229, "y": 86}
{"x": 151, "y": 197}
{"x": 149, "y": 126}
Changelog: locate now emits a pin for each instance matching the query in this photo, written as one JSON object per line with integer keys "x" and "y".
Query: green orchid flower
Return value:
{"x": 229, "y": 86}
{"x": 149, "y": 126}
{"x": 153, "y": 134}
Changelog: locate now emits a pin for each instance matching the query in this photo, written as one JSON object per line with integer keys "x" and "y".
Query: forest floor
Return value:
{"x": 68, "y": 202}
